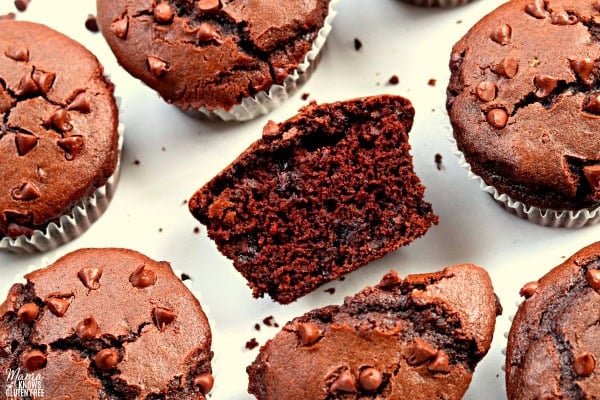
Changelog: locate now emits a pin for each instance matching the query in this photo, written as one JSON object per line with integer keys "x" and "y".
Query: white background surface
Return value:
{"x": 177, "y": 154}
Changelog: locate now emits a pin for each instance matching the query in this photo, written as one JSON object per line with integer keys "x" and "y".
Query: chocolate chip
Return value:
{"x": 157, "y": 66}
{"x": 27, "y": 86}
{"x": 22, "y": 4}
{"x": 486, "y": 91}
{"x": 207, "y": 32}
{"x": 34, "y": 360}
{"x": 26, "y": 192}
{"x": 162, "y": 317}
{"x": 502, "y": 35}
{"x": 71, "y": 145}
{"x": 592, "y": 104}
{"x": 309, "y": 333}
{"x": 344, "y": 383}
{"x": 583, "y": 69}
{"x": 163, "y": 12}
{"x": 44, "y": 80}
{"x": 17, "y": 53}
{"x": 59, "y": 120}
{"x": 25, "y": 143}
{"x": 497, "y": 117}
{"x": 28, "y": 312}
{"x": 87, "y": 328}
{"x": 91, "y": 24}
{"x": 390, "y": 280}
{"x": 545, "y": 85}
{"x": 142, "y": 277}
{"x": 106, "y": 359}
{"x": 80, "y": 103}
{"x": 58, "y": 305}
{"x": 561, "y": 17}
{"x": 421, "y": 352}
{"x": 440, "y": 363}
{"x": 90, "y": 277}
{"x": 205, "y": 382}
{"x": 120, "y": 27}
{"x": 536, "y": 9}
{"x": 508, "y": 67}
{"x": 370, "y": 379}
{"x": 584, "y": 364}
{"x": 529, "y": 289}
{"x": 208, "y": 5}
{"x": 438, "y": 161}
{"x": 593, "y": 278}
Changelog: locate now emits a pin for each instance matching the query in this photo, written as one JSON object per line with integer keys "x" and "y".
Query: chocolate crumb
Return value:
{"x": 431, "y": 82}
{"x": 10, "y": 16}
{"x": 136, "y": 161}
{"x": 91, "y": 24}
{"x": 185, "y": 277}
{"x": 459, "y": 21}
{"x": 184, "y": 202}
{"x": 160, "y": 230}
{"x": 305, "y": 96}
{"x": 196, "y": 230}
{"x": 270, "y": 321}
{"x": 257, "y": 327}
{"x": 22, "y": 4}
{"x": 394, "y": 80}
{"x": 342, "y": 278}
{"x": 163, "y": 148}
{"x": 330, "y": 290}
{"x": 357, "y": 44}
{"x": 251, "y": 344}
{"x": 438, "y": 161}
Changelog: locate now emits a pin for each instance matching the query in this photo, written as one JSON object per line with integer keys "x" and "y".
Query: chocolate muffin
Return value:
{"x": 106, "y": 324}
{"x": 524, "y": 103}
{"x": 554, "y": 340}
{"x": 58, "y": 140}
{"x": 318, "y": 196}
{"x": 221, "y": 57}
{"x": 417, "y": 338}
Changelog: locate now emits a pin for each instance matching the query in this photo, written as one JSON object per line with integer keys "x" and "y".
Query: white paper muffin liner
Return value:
{"x": 263, "y": 102}
{"x": 542, "y": 216}
{"x": 73, "y": 224}
{"x": 437, "y": 3}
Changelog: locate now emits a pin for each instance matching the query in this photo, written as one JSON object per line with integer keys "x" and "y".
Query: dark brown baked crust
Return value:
{"x": 523, "y": 101}
{"x": 554, "y": 340}
{"x": 417, "y": 338}
{"x": 94, "y": 302}
{"x": 58, "y": 136}
{"x": 320, "y": 195}
{"x": 210, "y": 53}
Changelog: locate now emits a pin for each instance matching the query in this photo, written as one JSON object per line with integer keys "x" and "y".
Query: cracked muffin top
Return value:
{"x": 415, "y": 338}
{"x": 524, "y": 101}
{"x": 106, "y": 324}
{"x": 210, "y": 53}
{"x": 554, "y": 341}
{"x": 58, "y": 136}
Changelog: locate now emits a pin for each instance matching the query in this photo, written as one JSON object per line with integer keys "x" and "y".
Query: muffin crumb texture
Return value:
{"x": 320, "y": 195}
